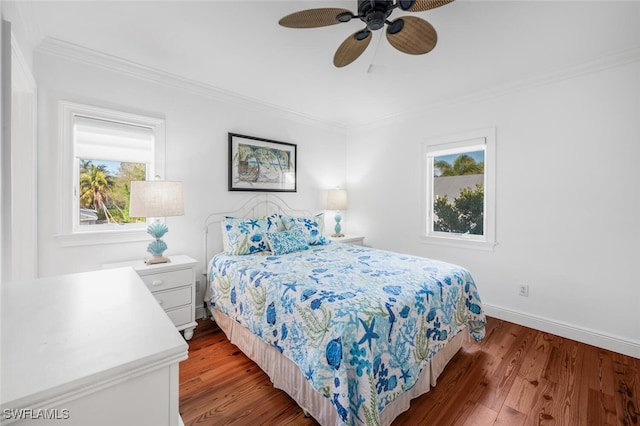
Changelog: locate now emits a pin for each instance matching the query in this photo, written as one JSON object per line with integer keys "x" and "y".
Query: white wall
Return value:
{"x": 12, "y": 12}
{"x": 5, "y": 241}
{"x": 196, "y": 153}
{"x": 19, "y": 223}
{"x": 567, "y": 201}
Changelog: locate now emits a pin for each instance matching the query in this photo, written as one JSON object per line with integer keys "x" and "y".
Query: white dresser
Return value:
{"x": 93, "y": 348}
{"x": 173, "y": 284}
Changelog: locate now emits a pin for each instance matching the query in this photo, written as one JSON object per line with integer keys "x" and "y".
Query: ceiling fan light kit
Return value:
{"x": 408, "y": 34}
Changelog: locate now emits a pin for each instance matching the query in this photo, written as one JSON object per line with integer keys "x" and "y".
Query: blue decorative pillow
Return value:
{"x": 245, "y": 236}
{"x": 312, "y": 226}
{"x": 287, "y": 241}
{"x": 274, "y": 223}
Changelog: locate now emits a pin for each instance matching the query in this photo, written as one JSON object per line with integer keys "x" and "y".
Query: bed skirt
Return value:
{"x": 286, "y": 375}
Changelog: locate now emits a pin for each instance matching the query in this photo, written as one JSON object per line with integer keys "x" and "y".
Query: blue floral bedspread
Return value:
{"x": 360, "y": 323}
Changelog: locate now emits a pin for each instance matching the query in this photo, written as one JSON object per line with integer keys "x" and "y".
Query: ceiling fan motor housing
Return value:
{"x": 374, "y": 13}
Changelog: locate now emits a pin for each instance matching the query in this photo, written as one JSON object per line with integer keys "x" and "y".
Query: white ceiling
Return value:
{"x": 238, "y": 46}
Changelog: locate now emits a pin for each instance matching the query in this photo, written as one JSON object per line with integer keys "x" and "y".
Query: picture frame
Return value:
{"x": 257, "y": 164}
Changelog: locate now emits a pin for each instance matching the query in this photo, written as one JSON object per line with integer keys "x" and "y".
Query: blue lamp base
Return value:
{"x": 157, "y": 248}
{"x": 338, "y": 228}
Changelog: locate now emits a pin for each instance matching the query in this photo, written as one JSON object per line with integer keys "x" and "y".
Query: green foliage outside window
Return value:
{"x": 107, "y": 193}
{"x": 464, "y": 214}
{"x": 463, "y": 165}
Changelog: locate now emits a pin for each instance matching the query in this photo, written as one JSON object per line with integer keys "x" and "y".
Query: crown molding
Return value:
{"x": 614, "y": 60}
{"x": 102, "y": 60}
{"x": 81, "y": 54}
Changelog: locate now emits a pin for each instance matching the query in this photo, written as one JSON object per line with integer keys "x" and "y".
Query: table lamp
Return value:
{"x": 337, "y": 200}
{"x": 156, "y": 199}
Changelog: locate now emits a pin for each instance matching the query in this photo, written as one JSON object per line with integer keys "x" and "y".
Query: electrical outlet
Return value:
{"x": 523, "y": 290}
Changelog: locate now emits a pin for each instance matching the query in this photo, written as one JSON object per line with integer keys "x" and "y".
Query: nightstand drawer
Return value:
{"x": 167, "y": 280}
{"x": 180, "y": 316}
{"x": 173, "y": 285}
{"x": 172, "y": 298}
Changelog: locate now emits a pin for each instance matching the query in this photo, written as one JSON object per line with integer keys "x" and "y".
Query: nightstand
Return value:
{"x": 356, "y": 240}
{"x": 173, "y": 285}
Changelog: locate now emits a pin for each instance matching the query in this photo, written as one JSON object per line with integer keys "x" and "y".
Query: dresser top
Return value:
{"x": 60, "y": 334}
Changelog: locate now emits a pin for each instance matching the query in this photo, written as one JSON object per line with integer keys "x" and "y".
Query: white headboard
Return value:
{"x": 257, "y": 206}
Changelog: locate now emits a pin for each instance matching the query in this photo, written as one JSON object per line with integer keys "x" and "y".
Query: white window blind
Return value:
{"x": 478, "y": 144}
{"x": 112, "y": 141}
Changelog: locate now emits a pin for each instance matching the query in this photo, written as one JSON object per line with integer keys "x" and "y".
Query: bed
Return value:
{"x": 351, "y": 333}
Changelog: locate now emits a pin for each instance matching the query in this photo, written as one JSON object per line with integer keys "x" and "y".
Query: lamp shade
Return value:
{"x": 156, "y": 198}
{"x": 336, "y": 199}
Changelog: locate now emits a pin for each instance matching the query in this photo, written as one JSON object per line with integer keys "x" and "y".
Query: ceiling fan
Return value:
{"x": 408, "y": 34}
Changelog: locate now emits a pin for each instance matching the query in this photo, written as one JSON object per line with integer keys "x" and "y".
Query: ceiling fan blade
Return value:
{"x": 352, "y": 48}
{"x": 412, "y": 35}
{"x": 313, "y": 18}
{"x": 421, "y": 5}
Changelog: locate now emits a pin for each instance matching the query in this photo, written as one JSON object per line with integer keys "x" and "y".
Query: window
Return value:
{"x": 459, "y": 190}
{"x": 104, "y": 150}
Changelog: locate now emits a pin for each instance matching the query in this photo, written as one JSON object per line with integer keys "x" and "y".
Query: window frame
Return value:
{"x": 71, "y": 233}
{"x": 461, "y": 142}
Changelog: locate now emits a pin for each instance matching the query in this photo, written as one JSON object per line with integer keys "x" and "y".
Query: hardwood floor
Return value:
{"x": 515, "y": 376}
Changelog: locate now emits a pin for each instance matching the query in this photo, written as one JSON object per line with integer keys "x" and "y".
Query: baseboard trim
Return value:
{"x": 569, "y": 331}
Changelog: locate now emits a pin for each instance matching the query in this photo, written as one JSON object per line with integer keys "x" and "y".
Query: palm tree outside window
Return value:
{"x": 104, "y": 193}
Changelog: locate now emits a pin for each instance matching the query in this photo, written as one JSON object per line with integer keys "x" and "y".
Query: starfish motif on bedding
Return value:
{"x": 369, "y": 334}
{"x": 290, "y": 286}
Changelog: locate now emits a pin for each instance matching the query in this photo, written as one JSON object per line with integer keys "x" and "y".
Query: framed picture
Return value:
{"x": 257, "y": 164}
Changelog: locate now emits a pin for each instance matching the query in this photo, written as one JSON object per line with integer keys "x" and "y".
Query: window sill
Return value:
{"x": 89, "y": 238}
{"x": 460, "y": 242}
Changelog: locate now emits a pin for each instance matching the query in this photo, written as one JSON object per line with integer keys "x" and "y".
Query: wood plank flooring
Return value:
{"x": 515, "y": 376}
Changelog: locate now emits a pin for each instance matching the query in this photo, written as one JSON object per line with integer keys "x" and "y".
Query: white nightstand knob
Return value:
{"x": 156, "y": 283}
{"x": 159, "y": 302}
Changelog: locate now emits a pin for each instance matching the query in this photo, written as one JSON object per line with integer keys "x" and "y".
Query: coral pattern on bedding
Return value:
{"x": 360, "y": 323}
{"x": 287, "y": 241}
{"x": 312, "y": 226}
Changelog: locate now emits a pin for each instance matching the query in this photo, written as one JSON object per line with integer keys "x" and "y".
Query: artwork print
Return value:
{"x": 257, "y": 164}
